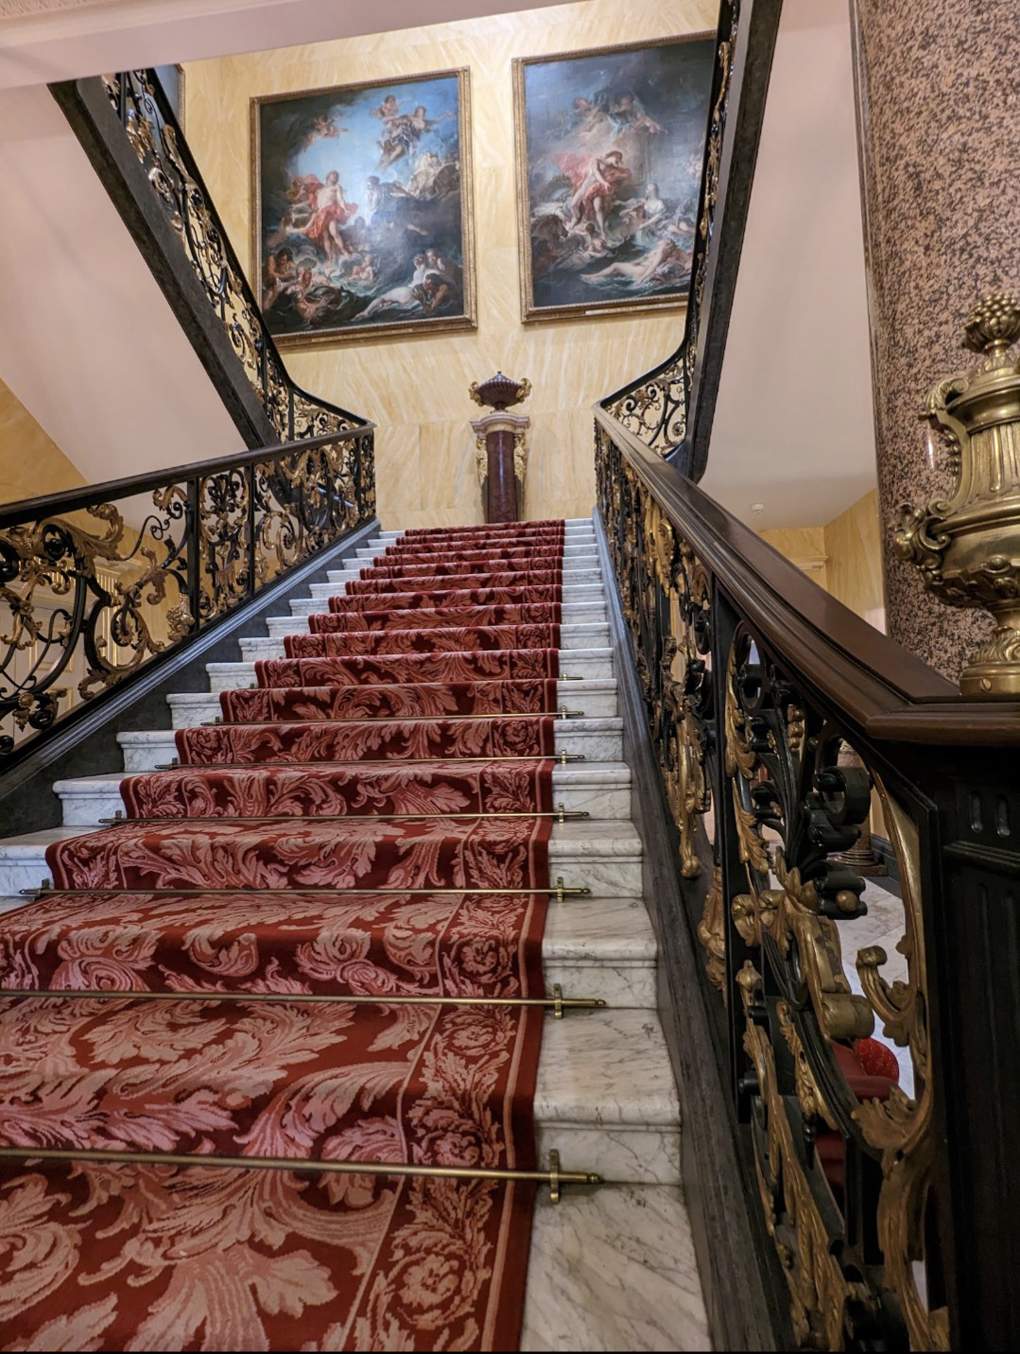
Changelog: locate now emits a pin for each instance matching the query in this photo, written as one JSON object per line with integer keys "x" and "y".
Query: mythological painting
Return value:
{"x": 610, "y": 146}
{"x": 361, "y": 215}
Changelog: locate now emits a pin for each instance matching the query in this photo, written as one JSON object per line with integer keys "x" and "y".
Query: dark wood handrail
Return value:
{"x": 889, "y": 693}
{"x": 72, "y": 500}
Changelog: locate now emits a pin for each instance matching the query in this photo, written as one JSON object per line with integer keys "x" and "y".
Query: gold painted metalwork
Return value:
{"x": 967, "y": 547}
{"x": 712, "y": 933}
{"x": 562, "y": 757}
{"x": 560, "y": 814}
{"x": 561, "y": 713}
{"x": 554, "y": 1177}
{"x": 904, "y": 1128}
{"x": 557, "y": 1003}
{"x": 819, "y": 1290}
{"x": 559, "y": 889}
{"x": 91, "y": 606}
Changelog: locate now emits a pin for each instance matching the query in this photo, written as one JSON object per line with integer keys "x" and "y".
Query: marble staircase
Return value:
{"x": 613, "y": 1268}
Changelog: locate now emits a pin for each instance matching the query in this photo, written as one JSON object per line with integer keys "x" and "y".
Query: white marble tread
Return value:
{"x": 570, "y": 524}
{"x": 597, "y": 740}
{"x": 576, "y": 578}
{"x": 585, "y": 554}
{"x": 601, "y": 789}
{"x": 603, "y": 855}
{"x": 574, "y": 589}
{"x": 572, "y": 613}
{"x": 584, "y": 636}
{"x": 575, "y": 575}
{"x": 613, "y": 1268}
{"x": 588, "y": 664}
{"x": 595, "y": 697}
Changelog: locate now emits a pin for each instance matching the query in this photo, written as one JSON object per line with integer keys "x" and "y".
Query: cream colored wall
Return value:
{"x": 31, "y": 463}
{"x": 416, "y": 388}
{"x": 850, "y": 550}
{"x": 803, "y": 546}
{"x": 854, "y": 569}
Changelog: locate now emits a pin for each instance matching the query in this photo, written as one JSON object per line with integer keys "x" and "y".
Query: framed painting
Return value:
{"x": 610, "y": 144}
{"x": 362, "y": 218}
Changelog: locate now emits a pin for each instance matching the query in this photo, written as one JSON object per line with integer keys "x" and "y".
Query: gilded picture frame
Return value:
{"x": 609, "y": 149}
{"x": 362, "y": 211}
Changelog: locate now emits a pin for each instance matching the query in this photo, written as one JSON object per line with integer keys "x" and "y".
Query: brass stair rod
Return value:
{"x": 554, "y": 1177}
{"x": 560, "y": 814}
{"x": 559, "y": 889}
{"x": 562, "y": 757}
{"x": 557, "y": 1003}
{"x": 561, "y": 713}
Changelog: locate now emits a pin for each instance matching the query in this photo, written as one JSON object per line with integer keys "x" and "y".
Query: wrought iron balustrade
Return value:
{"x": 98, "y": 584}
{"x": 128, "y": 126}
{"x": 752, "y": 681}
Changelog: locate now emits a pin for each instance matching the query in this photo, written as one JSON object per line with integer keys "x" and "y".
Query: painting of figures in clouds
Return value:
{"x": 609, "y": 158}
{"x": 362, "y": 208}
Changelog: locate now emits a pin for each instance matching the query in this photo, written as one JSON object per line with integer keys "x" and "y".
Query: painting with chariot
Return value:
{"x": 361, "y": 200}
{"x": 610, "y": 146}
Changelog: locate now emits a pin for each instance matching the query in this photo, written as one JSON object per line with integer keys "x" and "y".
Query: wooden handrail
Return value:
{"x": 887, "y": 692}
{"x": 72, "y": 500}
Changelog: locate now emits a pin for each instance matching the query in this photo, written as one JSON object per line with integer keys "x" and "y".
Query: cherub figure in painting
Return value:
{"x": 404, "y": 134}
{"x": 628, "y": 116}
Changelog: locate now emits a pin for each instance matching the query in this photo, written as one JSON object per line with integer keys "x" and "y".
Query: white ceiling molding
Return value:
{"x": 49, "y": 40}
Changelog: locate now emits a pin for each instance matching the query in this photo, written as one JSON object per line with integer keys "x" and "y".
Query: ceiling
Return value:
{"x": 793, "y": 427}
{"x": 47, "y": 40}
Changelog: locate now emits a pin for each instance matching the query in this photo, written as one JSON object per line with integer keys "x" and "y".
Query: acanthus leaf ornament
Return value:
{"x": 967, "y": 547}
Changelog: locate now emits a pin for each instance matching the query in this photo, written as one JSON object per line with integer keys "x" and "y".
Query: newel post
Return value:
{"x": 501, "y": 439}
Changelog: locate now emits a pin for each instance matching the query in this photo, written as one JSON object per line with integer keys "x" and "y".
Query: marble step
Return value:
{"x": 600, "y": 789}
{"x": 573, "y": 594}
{"x": 601, "y": 947}
{"x": 573, "y": 576}
{"x": 570, "y": 524}
{"x": 573, "y": 613}
{"x": 584, "y": 552}
{"x": 593, "y": 947}
{"x": 613, "y": 1268}
{"x": 605, "y": 1098}
{"x": 597, "y": 740}
{"x": 594, "y": 664}
{"x": 602, "y": 855}
{"x": 597, "y": 699}
{"x": 588, "y": 636}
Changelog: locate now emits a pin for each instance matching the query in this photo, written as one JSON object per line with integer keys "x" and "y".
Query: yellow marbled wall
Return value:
{"x": 844, "y": 557}
{"x": 416, "y": 388}
{"x": 803, "y": 546}
{"x": 854, "y": 568}
{"x": 31, "y": 463}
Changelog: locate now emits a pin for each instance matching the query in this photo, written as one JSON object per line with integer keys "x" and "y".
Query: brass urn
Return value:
{"x": 968, "y": 547}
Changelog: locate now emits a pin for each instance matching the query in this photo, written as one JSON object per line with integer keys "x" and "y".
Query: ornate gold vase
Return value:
{"x": 968, "y": 548}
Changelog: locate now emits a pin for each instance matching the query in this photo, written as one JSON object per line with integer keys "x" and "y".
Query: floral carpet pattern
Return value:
{"x": 236, "y": 970}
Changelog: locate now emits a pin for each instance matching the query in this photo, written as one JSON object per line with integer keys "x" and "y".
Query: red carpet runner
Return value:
{"x": 427, "y": 691}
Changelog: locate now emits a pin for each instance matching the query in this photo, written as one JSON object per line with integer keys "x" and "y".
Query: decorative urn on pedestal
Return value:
{"x": 501, "y": 439}
{"x": 968, "y": 547}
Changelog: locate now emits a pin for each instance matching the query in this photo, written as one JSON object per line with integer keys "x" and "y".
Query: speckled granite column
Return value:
{"x": 938, "y": 107}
